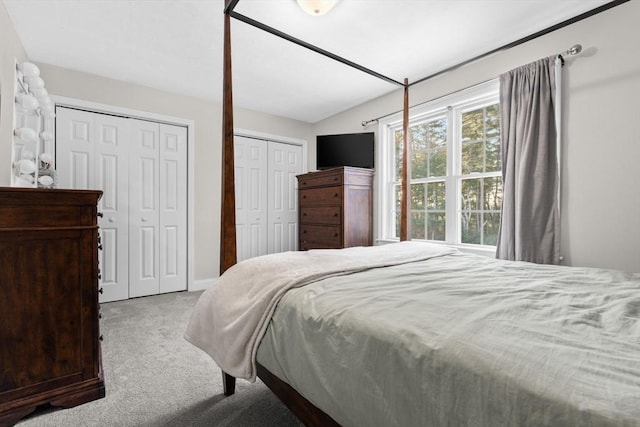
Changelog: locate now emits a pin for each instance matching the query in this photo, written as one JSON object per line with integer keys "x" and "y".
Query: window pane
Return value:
{"x": 472, "y": 126}
{"x": 481, "y": 140}
{"x": 436, "y": 226}
{"x": 398, "y": 152}
{"x": 470, "y": 227}
{"x": 419, "y": 152}
{"x": 492, "y": 121}
{"x": 438, "y": 162}
{"x": 493, "y": 155}
{"x": 491, "y": 228}
{"x": 480, "y": 211}
{"x": 472, "y": 157}
{"x": 417, "y": 225}
{"x": 438, "y": 133}
{"x": 492, "y": 194}
{"x": 471, "y": 190}
{"x": 436, "y": 193}
{"x": 437, "y": 138}
{"x": 492, "y": 138}
{"x": 429, "y": 149}
{"x": 417, "y": 196}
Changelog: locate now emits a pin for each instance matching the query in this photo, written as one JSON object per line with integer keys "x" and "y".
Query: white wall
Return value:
{"x": 601, "y": 148}
{"x": 11, "y": 50}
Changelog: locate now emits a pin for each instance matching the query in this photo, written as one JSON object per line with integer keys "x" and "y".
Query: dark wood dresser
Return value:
{"x": 49, "y": 327}
{"x": 335, "y": 208}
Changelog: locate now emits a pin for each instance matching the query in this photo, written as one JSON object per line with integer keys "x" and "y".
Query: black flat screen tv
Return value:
{"x": 350, "y": 149}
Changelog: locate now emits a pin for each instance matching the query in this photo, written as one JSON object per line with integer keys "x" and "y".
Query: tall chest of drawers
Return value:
{"x": 335, "y": 208}
{"x": 49, "y": 327}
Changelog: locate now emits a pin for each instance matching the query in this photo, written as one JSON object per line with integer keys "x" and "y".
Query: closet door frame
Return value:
{"x": 160, "y": 118}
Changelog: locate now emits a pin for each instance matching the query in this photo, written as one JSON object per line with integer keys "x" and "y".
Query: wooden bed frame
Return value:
{"x": 306, "y": 411}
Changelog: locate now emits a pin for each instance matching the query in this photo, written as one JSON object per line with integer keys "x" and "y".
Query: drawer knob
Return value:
{"x": 335, "y": 178}
{"x": 335, "y": 214}
{"x": 335, "y": 234}
{"x": 304, "y": 214}
{"x": 304, "y": 232}
{"x": 101, "y": 290}
{"x": 304, "y": 196}
{"x": 335, "y": 195}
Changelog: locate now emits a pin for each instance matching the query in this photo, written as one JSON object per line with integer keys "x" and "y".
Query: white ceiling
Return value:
{"x": 176, "y": 45}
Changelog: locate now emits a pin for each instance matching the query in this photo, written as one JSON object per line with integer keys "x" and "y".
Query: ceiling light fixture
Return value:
{"x": 316, "y": 7}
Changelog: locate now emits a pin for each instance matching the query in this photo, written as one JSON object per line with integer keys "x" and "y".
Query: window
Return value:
{"x": 455, "y": 164}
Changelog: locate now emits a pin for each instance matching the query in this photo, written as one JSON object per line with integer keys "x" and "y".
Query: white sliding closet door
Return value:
{"x": 285, "y": 162}
{"x": 141, "y": 166}
{"x": 92, "y": 153}
{"x": 250, "y": 162}
{"x": 157, "y": 208}
{"x": 173, "y": 208}
{"x": 144, "y": 208}
{"x": 266, "y": 196}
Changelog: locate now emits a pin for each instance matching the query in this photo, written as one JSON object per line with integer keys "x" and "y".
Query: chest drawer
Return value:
{"x": 329, "y": 215}
{"x": 320, "y": 196}
{"x": 326, "y": 236}
{"x": 320, "y": 179}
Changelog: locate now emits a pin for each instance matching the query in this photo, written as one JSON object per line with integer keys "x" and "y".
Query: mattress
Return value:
{"x": 463, "y": 340}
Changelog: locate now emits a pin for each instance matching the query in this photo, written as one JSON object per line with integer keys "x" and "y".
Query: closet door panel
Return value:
{"x": 173, "y": 208}
{"x": 75, "y": 149}
{"x": 91, "y": 153}
{"x": 285, "y": 162}
{"x": 251, "y": 197}
{"x": 144, "y": 193}
{"x": 111, "y": 135}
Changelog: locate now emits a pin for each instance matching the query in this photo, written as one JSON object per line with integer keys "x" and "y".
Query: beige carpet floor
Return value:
{"x": 156, "y": 378}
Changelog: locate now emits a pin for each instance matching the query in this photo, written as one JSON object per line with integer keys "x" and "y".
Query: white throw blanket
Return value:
{"x": 232, "y": 316}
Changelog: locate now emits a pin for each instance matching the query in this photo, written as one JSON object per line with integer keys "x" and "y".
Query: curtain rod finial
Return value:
{"x": 575, "y": 49}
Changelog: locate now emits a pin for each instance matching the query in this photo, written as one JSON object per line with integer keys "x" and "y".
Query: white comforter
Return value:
{"x": 232, "y": 316}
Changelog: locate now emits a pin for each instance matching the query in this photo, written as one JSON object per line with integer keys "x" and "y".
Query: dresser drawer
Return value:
{"x": 305, "y": 246}
{"x": 329, "y": 215}
{"x": 320, "y": 196}
{"x": 320, "y": 179}
{"x": 324, "y": 235}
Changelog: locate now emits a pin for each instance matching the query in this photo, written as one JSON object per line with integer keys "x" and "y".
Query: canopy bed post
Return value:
{"x": 406, "y": 186}
{"x": 228, "y": 254}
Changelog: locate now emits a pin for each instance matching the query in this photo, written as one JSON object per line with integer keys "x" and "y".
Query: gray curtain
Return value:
{"x": 529, "y": 228}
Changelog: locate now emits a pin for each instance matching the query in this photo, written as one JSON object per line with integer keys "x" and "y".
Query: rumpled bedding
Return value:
{"x": 463, "y": 340}
{"x": 231, "y": 317}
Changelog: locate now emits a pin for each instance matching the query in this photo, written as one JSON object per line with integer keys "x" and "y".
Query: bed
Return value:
{"x": 420, "y": 334}
{"x": 415, "y": 334}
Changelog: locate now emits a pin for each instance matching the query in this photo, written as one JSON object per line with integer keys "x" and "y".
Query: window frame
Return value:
{"x": 452, "y": 106}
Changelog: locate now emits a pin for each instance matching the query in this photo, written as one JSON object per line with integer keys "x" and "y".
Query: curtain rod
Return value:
{"x": 572, "y": 51}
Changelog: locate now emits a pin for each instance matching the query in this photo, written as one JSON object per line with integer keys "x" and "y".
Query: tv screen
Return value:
{"x": 351, "y": 149}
